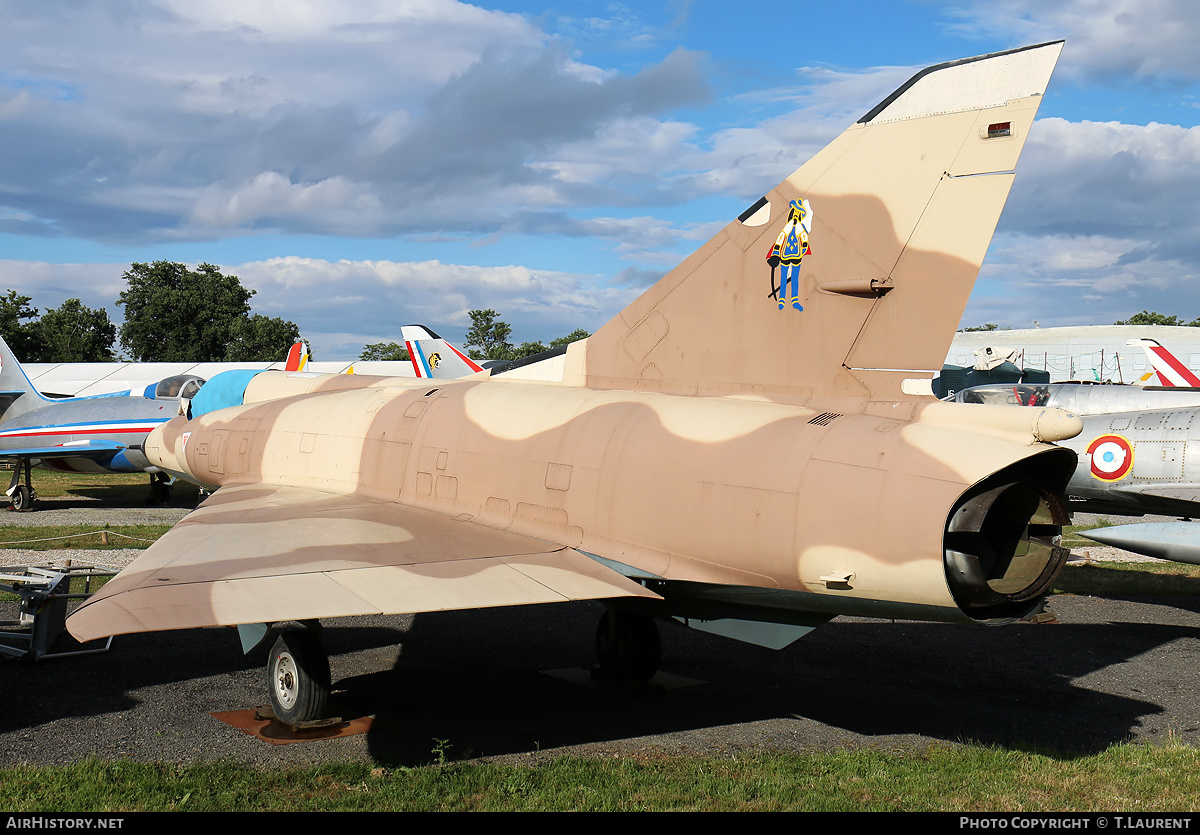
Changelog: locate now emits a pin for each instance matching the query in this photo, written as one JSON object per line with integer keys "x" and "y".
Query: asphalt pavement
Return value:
{"x": 513, "y": 684}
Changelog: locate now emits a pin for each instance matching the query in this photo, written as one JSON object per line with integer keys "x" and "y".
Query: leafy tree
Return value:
{"x": 573, "y": 336}
{"x": 261, "y": 339}
{"x": 173, "y": 314}
{"x": 23, "y": 338}
{"x": 181, "y": 315}
{"x": 384, "y": 351}
{"x": 987, "y": 327}
{"x": 527, "y": 349}
{"x": 75, "y": 332}
{"x": 487, "y": 338}
{"x": 1147, "y": 317}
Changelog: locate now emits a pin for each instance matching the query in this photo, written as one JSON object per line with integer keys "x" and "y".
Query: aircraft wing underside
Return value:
{"x": 260, "y": 553}
{"x": 1183, "y": 491}
{"x": 92, "y": 449}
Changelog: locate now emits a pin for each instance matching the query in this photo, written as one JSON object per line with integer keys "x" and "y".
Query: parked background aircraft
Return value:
{"x": 82, "y": 434}
{"x": 743, "y": 448}
{"x": 1171, "y": 372}
{"x": 423, "y": 344}
{"x": 434, "y": 357}
{"x": 1139, "y": 451}
{"x": 1099, "y": 353}
{"x": 84, "y": 379}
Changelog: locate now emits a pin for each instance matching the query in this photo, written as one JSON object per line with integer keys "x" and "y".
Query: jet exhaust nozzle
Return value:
{"x": 1001, "y": 545}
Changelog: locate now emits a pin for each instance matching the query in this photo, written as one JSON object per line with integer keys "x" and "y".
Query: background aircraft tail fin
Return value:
{"x": 17, "y": 394}
{"x": 1171, "y": 372}
{"x": 297, "y": 357}
{"x": 851, "y": 275}
{"x": 434, "y": 357}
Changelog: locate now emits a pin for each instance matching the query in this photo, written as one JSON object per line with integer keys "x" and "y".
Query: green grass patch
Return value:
{"x": 54, "y": 537}
{"x": 110, "y": 487}
{"x": 1129, "y": 579}
{"x": 1071, "y": 538}
{"x": 1124, "y": 778}
{"x": 1122, "y": 579}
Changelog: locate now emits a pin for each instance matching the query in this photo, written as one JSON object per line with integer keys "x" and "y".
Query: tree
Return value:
{"x": 24, "y": 339}
{"x": 526, "y": 349}
{"x": 573, "y": 336}
{"x": 488, "y": 336}
{"x": 261, "y": 339}
{"x": 181, "y": 315}
{"x": 986, "y": 327}
{"x": 384, "y": 351}
{"x": 1147, "y": 317}
{"x": 75, "y": 332}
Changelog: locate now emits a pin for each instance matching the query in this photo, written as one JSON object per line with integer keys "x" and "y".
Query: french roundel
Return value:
{"x": 1112, "y": 457}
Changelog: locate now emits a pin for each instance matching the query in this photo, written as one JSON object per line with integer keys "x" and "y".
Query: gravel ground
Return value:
{"x": 513, "y": 685}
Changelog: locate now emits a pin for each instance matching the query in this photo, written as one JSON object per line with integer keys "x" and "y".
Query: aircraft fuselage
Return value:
{"x": 71, "y": 425}
{"x": 704, "y": 490}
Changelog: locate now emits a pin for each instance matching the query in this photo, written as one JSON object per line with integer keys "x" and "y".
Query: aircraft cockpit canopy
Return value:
{"x": 1006, "y": 394}
{"x": 181, "y": 386}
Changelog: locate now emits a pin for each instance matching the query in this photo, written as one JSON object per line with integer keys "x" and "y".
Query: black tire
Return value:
{"x": 298, "y": 677}
{"x": 627, "y": 645}
{"x": 22, "y": 499}
{"x": 160, "y": 492}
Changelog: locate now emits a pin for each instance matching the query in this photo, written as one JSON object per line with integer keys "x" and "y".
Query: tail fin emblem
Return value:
{"x": 788, "y": 251}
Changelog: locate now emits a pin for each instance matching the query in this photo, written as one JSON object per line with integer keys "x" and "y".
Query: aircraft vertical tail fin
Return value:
{"x": 1171, "y": 372}
{"x": 17, "y": 394}
{"x": 297, "y": 357}
{"x": 850, "y": 276}
{"x": 434, "y": 357}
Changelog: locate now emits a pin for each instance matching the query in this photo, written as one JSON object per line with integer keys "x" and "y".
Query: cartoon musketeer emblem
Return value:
{"x": 788, "y": 250}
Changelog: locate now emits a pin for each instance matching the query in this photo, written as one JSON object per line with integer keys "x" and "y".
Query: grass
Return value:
{"x": 54, "y": 537}
{"x": 114, "y": 488}
{"x": 1122, "y": 579}
{"x": 1124, "y": 778}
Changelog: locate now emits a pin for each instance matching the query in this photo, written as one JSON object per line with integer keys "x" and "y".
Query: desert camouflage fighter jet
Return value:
{"x": 750, "y": 447}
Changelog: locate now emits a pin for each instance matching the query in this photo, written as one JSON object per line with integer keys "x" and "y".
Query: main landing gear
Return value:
{"x": 23, "y": 496}
{"x": 298, "y": 676}
{"x": 299, "y": 682}
{"x": 160, "y": 488}
{"x": 627, "y": 645}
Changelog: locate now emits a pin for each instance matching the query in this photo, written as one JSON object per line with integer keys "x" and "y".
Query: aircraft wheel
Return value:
{"x": 160, "y": 491}
{"x": 22, "y": 498}
{"x": 627, "y": 645}
{"x": 298, "y": 677}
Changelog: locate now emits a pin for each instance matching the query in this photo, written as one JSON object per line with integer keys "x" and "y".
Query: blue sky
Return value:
{"x": 368, "y": 163}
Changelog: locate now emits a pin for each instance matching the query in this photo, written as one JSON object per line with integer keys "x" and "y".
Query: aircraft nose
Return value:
{"x": 164, "y": 449}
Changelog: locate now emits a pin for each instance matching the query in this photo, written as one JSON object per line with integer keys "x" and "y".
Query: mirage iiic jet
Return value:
{"x": 1139, "y": 450}
{"x": 750, "y": 447}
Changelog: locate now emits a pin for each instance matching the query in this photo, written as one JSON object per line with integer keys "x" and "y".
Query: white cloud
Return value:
{"x": 333, "y": 203}
{"x": 1142, "y": 39}
{"x": 372, "y": 299}
{"x": 360, "y": 118}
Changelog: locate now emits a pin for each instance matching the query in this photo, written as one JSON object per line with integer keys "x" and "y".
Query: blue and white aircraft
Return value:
{"x": 80, "y": 434}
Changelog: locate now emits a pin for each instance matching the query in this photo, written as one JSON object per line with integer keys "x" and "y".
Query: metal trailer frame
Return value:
{"x": 45, "y": 595}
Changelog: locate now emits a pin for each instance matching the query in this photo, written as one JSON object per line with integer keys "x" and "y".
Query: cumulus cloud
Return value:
{"x": 368, "y": 301}
{"x": 1148, "y": 40}
{"x": 343, "y": 305}
{"x": 1100, "y": 224}
{"x": 360, "y": 118}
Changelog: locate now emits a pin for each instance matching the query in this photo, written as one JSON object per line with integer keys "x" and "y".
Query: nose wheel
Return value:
{"x": 298, "y": 677}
